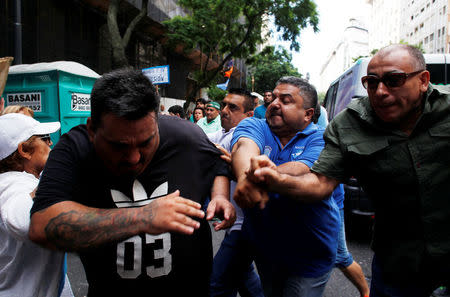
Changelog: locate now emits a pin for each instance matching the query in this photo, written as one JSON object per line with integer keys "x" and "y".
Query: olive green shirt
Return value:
{"x": 407, "y": 178}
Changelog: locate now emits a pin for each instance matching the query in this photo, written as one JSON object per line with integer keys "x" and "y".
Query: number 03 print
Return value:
{"x": 130, "y": 266}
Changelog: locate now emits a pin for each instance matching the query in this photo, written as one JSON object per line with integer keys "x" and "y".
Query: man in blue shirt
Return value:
{"x": 260, "y": 111}
{"x": 294, "y": 242}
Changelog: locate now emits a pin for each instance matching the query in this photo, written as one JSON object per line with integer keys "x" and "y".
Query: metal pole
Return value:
{"x": 18, "y": 32}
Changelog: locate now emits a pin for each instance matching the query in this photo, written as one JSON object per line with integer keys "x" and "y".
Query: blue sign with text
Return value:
{"x": 158, "y": 74}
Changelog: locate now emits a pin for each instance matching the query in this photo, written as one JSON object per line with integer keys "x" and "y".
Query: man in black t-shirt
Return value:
{"x": 113, "y": 190}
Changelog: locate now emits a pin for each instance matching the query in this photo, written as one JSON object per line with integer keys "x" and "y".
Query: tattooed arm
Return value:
{"x": 71, "y": 226}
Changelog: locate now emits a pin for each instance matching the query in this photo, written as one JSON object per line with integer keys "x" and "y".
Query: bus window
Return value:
{"x": 344, "y": 95}
{"x": 330, "y": 99}
{"x": 438, "y": 75}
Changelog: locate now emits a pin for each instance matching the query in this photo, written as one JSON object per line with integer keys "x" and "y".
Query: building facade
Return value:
{"x": 76, "y": 30}
{"x": 354, "y": 43}
{"x": 385, "y": 22}
{"x": 425, "y": 22}
{"x": 416, "y": 22}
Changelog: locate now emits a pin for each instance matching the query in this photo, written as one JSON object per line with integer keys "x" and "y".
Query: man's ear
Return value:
{"x": 309, "y": 113}
{"x": 90, "y": 129}
{"x": 23, "y": 152}
{"x": 425, "y": 80}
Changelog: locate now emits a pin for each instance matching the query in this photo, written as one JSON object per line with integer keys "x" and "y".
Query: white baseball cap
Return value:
{"x": 16, "y": 128}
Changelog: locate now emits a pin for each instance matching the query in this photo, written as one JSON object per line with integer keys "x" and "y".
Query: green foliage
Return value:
{"x": 233, "y": 28}
{"x": 321, "y": 96}
{"x": 418, "y": 46}
{"x": 216, "y": 94}
{"x": 374, "y": 51}
{"x": 268, "y": 66}
{"x": 357, "y": 58}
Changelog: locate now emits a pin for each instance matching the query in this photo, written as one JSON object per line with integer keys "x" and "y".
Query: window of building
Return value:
{"x": 421, "y": 25}
{"x": 439, "y": 33}
{"x": 415, "y": 29}
{"x": 431, "y": 36}
{"x": 443, "y": 30}
{"x": 412, "y": 17}
{"x": 423, "y": 8}
{"x": 428, "y": 5}
{"x": 425, "y": 40}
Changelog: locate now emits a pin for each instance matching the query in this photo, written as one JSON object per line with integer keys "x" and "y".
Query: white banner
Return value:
{"x": 31, "y": 100}
{"x": 80, "y": 102}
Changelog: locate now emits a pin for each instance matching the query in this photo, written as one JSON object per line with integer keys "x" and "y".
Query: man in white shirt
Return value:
{"x": 232, "y": 268}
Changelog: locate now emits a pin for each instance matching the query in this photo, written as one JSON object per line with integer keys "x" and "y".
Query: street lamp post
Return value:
{"x": 253, "y": 83}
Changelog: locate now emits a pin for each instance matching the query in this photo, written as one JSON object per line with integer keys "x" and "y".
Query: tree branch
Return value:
{"x": 230, "y": 55}
{"x": 134, "y": 22}
{"x": 119, "y": 58}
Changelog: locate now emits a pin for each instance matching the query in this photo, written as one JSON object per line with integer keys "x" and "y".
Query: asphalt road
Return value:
{"x": 338, "y": 285}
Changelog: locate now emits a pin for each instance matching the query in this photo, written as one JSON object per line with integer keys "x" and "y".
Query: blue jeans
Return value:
{"x": 233, "y": 270}
{"x": 415, "y": 288}
{"x": 293, "y": 285}
{"x": 343, "y": 256}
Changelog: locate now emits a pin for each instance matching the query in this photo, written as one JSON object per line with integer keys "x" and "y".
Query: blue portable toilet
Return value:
{"x": 56, "y": 91}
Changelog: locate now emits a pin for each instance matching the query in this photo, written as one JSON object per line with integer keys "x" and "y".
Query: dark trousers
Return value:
{"x": 233, "y": 270}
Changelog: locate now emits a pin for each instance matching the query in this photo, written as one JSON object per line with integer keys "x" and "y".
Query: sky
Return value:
{"x": 333, "y": 19}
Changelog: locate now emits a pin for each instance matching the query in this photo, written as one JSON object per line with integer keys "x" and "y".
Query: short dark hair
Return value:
{"x": 126, "y": 93}
{"x": 201, "y": 100}
{"x": 249, "y": 102}
{"x": 202, "y": 109}
{"x": 316, "y": 115}
{"x": 177, "y": 109}
{"x": 307, "y": 91}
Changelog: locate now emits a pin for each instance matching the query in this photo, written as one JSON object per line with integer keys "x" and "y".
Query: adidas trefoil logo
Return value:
{"x": 140, "y": 197}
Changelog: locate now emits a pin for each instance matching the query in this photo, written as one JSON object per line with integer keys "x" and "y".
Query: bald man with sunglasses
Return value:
{"x": 396, "y": 142}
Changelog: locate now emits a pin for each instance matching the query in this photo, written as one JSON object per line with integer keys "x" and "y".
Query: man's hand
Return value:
{"x": 248, "y": 194}
{"x": 71, "y": 226}
{"x": 221, "y": 207}
{"x": 256, "y": 163}
{"x": 33, "y": 194}
{"x": 172, "y": 213}
{"x": 2, "y": 105}
{"x": 226, "y": 156}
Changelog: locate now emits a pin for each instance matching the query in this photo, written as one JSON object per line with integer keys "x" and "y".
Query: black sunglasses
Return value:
{"x": 390, "y": 80}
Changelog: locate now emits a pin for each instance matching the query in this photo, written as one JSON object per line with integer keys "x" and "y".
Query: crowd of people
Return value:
{"x": 135, "y": 189}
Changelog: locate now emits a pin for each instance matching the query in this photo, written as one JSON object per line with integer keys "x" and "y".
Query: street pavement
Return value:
{"x": 338, "y": 285}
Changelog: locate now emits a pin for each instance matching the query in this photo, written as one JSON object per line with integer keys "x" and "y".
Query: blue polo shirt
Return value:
{"x": 260, "y": 112}
{"x": 291, "y": 236}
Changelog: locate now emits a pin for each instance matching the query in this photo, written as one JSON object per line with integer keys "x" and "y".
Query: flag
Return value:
{"x": 228, "y": 69}
{"x": 224, "y": 85}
